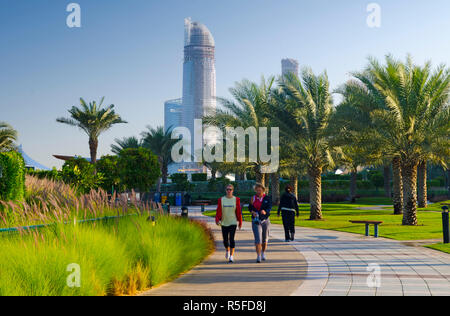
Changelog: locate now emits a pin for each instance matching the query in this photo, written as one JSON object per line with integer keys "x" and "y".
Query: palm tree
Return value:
{"x": 7, "y": 136}
{"x": 93, "y": 119}
{"x": 125, "y": 143}
{"x": 304, "y": 113}
{"x": 249, "y": 109}
{"x": 160, "y": 142}
{"x": 413, "y": 118}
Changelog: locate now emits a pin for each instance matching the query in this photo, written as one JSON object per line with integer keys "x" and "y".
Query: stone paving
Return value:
{"x": 337, "y": 265}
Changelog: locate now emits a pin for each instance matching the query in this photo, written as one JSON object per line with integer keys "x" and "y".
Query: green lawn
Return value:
{"x": 338, "y": 215}
{"x": 441, "y": 247}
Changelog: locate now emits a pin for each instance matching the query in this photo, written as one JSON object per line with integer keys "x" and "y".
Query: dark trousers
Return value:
{"x": 289, "y": 224}
{"x": 228, "y": 233}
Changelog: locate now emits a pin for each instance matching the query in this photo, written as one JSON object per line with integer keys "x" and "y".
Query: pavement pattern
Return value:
{"x": 318, "y": 263}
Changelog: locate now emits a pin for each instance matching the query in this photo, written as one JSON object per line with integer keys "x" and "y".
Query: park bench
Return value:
{"x": 201, "y": 202}
{"x": 368, "y": 223}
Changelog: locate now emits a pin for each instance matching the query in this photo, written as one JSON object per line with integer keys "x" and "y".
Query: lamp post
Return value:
{"x": 445, "y": 224}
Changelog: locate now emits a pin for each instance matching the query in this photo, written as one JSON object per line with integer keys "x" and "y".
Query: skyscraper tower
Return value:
{"x": 289, "y": 65}
{"x": 199, "y": 73}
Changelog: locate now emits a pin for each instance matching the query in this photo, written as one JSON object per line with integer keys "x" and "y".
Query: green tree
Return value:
{"x": 138, "y": 169}
{"x": 160, "y": 142}
{"x": 249, "y": 109}
{"x": 93, "y": 119}
{"x": 305, "y": 113}
{"x": 107, "y": 166}
{"x": 7, "y": 136}
{"x": 413, "y": 118}
{"x": 81, "y": 174}
{"x": 125, "y": 143}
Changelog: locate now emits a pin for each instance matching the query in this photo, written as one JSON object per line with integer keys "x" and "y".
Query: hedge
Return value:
{"x": 196, "y": 177}
{"x": 12, "y": 181}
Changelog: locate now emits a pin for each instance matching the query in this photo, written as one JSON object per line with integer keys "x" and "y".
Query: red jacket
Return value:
{"x": 238, "y": 211}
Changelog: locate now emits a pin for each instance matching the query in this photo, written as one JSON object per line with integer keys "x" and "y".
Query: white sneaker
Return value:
{"x": 227, "y": 255}
{"x": 258, "y": 259}
{"x": 231, "y": 259}
{"x": 263, "y": 256}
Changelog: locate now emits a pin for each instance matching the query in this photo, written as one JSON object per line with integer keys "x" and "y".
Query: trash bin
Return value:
{"x": 171, "y": 198}
{"x": 178, "y": 199}
{"x": 164, "y": 198}
{"x": 157, "y": 198}
{"x": 184, "y": 212}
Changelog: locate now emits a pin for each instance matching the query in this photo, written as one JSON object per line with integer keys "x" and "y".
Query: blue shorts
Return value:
{"x": 261, "y": 232}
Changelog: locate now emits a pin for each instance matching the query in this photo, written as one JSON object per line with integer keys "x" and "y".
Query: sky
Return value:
{"x": 131, "y": 52}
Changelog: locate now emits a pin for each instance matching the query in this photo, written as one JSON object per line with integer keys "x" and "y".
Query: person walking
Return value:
{"x": 260, "y": 207}
{"x": 229, "y": 216}
{"x": 289, "y": 209}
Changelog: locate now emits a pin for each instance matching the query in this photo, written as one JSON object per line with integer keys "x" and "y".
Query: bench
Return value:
{"x": 201, "y": 202}
{"x": 368, "y": 223}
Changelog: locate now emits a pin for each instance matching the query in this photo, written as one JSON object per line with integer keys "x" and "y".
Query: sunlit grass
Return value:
{"x": 116, "y": 257}
{"x": 337, "y": 216}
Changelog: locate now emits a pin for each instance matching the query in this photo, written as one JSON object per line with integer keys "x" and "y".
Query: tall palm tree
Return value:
{"x": 93, "y": 119}
{"x": 354, "y": 121}
{"x": 160, "y": 142}
{"x": 248, "y": 109}
{"x": 304, "y": 114}
{"x": 414, "y": 117}
{"x": 7, "y": 136}
{"x": 125, "y": 143}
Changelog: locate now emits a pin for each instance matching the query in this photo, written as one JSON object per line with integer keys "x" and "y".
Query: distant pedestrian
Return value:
{"x": 260, "y": 207}
{"x": 289, "y": 209}
{"x": 229, "y": 216}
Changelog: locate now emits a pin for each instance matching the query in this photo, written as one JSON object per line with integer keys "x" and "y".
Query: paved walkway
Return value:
{"x": 281, "y": 275}
{"x": 336, "y": 263}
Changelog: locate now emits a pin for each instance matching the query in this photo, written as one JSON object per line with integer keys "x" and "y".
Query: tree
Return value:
{"x": 125, "y": 143}
{"x": 412, "y": 119}
{"x": 305, "y": 113}
{"x": 93, "y": 119}
{"x": 81, "y": 174}
{"x": 160, "y": 142}
{"x": 138, "y": 169}
{"x": 7, "y": 136}
{"x": 107, "y": 166}
{"x": 249, "y": 109}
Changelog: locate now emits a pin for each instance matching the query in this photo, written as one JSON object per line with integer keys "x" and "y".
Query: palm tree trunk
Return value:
{"x": 387, "y": 181}
{"x": 164, "y": 173}
{"x": 213, "y": 173}
{"x": 315, "y": 193}
{"x": 260, "y": 178}
{"x": 93, "y": 146}
{"x": 159, "y": 185}
{"x": 267, "y": 182}
{"x": 422, "y": 184}
{"x": 409, "y": 172}
{"x": 275, "y": 184}
{"x": 294, "y": 183}
{"x": 397, "y": 186}
{"x": 353, "y": 178}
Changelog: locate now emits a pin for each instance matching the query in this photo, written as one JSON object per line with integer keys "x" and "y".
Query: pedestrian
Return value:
{"x": 229, "y": 216}
{"x": 289, "y": 209}
{"x": 260, "y": 207}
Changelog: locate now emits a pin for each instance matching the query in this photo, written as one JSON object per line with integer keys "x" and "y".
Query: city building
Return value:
{"x": 289, "y": 65}
{"x": 199, "y": 87}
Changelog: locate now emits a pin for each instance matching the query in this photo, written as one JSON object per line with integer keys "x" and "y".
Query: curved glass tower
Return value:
{"x": 199, "y": 74}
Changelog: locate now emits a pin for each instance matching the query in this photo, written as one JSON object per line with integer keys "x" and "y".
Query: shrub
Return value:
{"x": 197, "y": 177}
{"x": 107, "y": 166}
{"x": 81, "y": 174}
{"x": 181, "y": 182}
{"x": 12, "y": 180}
{"x": 138, "y": 169}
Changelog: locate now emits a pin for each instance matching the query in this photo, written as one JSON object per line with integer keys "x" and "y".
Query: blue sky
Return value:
{"x": 131, "y": 52}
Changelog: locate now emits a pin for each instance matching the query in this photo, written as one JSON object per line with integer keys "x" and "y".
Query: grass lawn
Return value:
{"x": 440, "y": 247}
{"x": 337, "y": 217}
